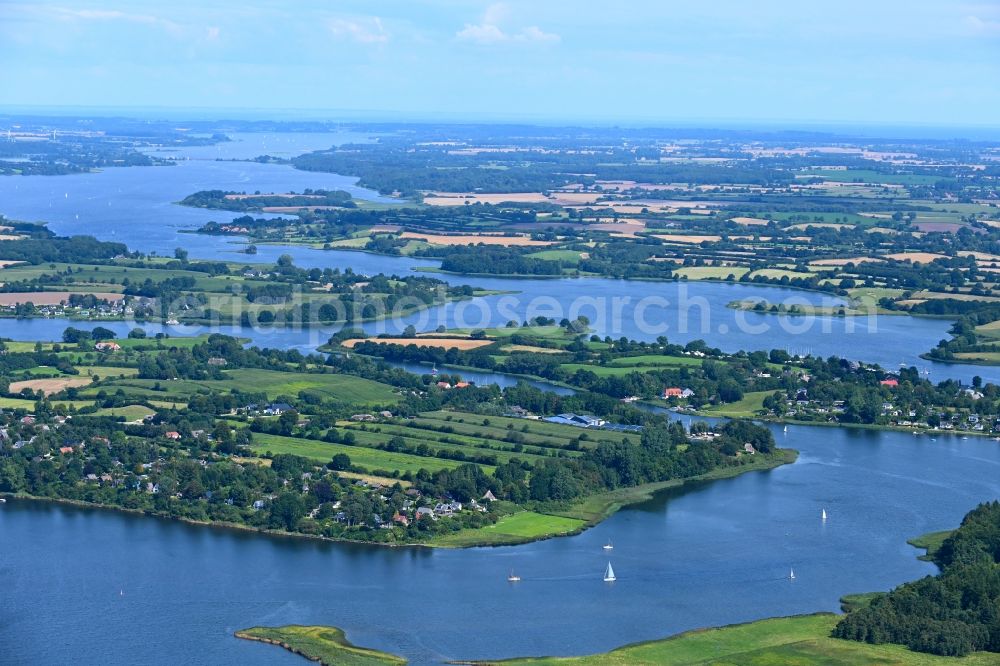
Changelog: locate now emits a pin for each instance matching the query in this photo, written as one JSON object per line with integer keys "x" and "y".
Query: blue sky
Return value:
{"x": 886, "y": 61}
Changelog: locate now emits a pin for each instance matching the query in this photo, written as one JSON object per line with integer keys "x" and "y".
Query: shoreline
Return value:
{"x": 613, "y": 502}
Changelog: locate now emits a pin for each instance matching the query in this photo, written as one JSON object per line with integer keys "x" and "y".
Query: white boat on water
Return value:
{"x": 824, "y": 515}
{"x": 513, "y": 577}
{"x": 791, "y": 574}
{"x": 609, "y": 574}
{"x": 609, "y": 545}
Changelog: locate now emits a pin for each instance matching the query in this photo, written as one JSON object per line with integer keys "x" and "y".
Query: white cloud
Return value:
{"x": 372, "y": 33}
{"x": 982, "y": 26}
{"x": 535, "y": 34}
{"x": 483, "y": 33}
{"x": 66, "y": 14}
{"x": 489, "y": 30}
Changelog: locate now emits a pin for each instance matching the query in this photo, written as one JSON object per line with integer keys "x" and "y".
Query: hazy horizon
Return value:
{"x": 895, "y": 63}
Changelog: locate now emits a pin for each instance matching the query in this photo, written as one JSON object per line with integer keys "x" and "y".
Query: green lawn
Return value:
{"x": 658, "y": 360}
{"x": 751, "y": 403}
{"x": 515, "y": 528}
{"x": 871, "y": 295}
{"x": 106, "y": 371}
{"x": 711, "y": 272}
{"x": 347, "y": 388}
{"x": 802, "y": 640}
{"x": 565, "y": 256}
{"x": 930, "y": 542}
{"x": 324, "y": 645}
{"x": 535, "y": 427}
{"x": 129, "y": 412}
{"x": 341, "y": 387}
{"x": 368, "y": 458}
{"x": 415, "y": 437}
{"x": 20, "y": 403}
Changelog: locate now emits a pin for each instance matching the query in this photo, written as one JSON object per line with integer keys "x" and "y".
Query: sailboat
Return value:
{"x": 513, "y": 578}
{"x": 824, "y": 515}
{"x": 434, "y": 370}
{"x": 791, "y": 574}
{"x": 786, "y": 429}
{"x": 609, "y": 545}
{"x": 609, "y": 574}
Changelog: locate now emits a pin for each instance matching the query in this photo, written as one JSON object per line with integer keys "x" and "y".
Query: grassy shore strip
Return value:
{"x": 324, "y": 645}
{"x": 518, "y": 528}
{"x": 802, "y": 640}
{"x": 527, "y": 526}
{"x": 930, "y": 542}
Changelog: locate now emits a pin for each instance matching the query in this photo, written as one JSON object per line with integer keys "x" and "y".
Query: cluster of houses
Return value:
{"x": 104, "y": 310}
{"x": 457, "y": 385}
{"x": 677, "y": 392}
{"x": 904, "y": 417}
{"x": 270, "y": 409}
{"x": 369, "y": 418}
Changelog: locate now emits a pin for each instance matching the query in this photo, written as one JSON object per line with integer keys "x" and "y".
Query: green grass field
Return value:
{"x": 437, "y": 442}
{"x": 751, "y": 403}
{"x": 565, "y": 256}
{"x": 711, "y": 272}
{"x": 802, "y": 640}
{"x": 368, "y": 458}
{"x": 535, "y": 427}
{"x": 930, "y": 542}
{"x": 272, "y": 382}
{"x": 515, "y": 528}
{"x": 324, "y": 645}
{"x": 129, "y": 412}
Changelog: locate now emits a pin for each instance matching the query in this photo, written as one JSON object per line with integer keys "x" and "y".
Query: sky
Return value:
{"x": 920, "y": 62}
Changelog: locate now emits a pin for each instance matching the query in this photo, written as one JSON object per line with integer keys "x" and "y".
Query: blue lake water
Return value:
{"x": 708, "y": 555}
{"x": 712, "y": 554}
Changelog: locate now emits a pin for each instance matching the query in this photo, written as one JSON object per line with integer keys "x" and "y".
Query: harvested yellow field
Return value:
{"x": 926, "y": 295}
{"x": 474, "y": 239}
{"x": 981, "y": 256}
{"x": 626, "y": 229}
{"x": 576, "y": 198}
{"x": 843, "y": 262}
{"x": 915, "y": 257}
{"x": 463, "y": 344}
{"x": 692, "y": 239}
{"x": 49, "y": 386}
{"x": 51, "y": 297}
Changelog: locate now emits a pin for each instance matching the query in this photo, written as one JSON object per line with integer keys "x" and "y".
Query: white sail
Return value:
{"x": 609, "y": 574}
{"x": 824, "y": 515}
{"x": 791, "y": 574}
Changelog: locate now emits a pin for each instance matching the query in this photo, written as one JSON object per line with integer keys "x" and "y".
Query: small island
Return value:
{"x": 324, "y": 645}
